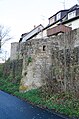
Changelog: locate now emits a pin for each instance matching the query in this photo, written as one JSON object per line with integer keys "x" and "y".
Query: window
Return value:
{"x": 44, "y": 48}
{"x": 52, "y": 20}
{"x": 71, "y": 14}
{"x": 58, "y": 16}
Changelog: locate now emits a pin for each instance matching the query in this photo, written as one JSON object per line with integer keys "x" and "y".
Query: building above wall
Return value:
{"x": 63, "y": 21}
{"x": 57, "y": 17}
{"x": 63, "y": 15}
{"x": 32, "y": 34}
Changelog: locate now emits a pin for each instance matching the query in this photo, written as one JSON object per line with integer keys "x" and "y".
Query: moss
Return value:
{"x": 23, "y": 88}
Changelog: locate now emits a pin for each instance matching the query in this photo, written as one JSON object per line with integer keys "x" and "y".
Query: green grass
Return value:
{"x": 64, "y": 103}
{"x": 8, "y": 86}
{"x": 8, "y": 83}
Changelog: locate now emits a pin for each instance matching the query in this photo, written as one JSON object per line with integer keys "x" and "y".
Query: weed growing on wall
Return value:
{"x": 29, "y": 60}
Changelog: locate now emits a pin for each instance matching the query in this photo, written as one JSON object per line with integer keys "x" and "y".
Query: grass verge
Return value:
{"x": 64, "y": 103}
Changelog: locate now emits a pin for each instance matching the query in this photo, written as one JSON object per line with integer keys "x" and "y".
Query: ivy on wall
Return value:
{"x": 66, "y": 67}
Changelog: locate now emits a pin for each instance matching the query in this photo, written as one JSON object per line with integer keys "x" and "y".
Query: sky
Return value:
{"x": 21, "y": 15}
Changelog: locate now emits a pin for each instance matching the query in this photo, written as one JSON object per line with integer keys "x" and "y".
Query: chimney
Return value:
{"x": 34, "y": 26}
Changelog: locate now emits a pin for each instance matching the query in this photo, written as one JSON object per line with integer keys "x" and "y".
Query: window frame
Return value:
{"x": 58, "y": 16}
{"x": 52, "y": 20}
{"x": 72, "y": 14}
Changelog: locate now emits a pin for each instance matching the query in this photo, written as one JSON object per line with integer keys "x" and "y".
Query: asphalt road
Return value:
{"x": 13, "y": 108}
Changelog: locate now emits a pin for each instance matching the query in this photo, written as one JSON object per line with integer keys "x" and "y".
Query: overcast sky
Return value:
{"x": 22, "y": 15}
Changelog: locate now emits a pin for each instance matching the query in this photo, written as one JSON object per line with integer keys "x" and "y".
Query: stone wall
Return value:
{"x": 36, "y": 63}
{"x": 54, "y": 58}
{"x": 13, "y": 69}
{"x": 14, "y": 51}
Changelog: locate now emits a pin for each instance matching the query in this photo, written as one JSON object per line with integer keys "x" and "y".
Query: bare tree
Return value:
{"x": 4, "y": 35}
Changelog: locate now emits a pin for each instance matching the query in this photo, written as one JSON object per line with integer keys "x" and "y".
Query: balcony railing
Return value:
{"x": 58, "y": 29}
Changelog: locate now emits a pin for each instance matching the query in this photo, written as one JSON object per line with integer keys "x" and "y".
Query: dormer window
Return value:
{"x": 52, "y": 20}
{"x": 58, "y": 16}
{"x": 72, "y": 14}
